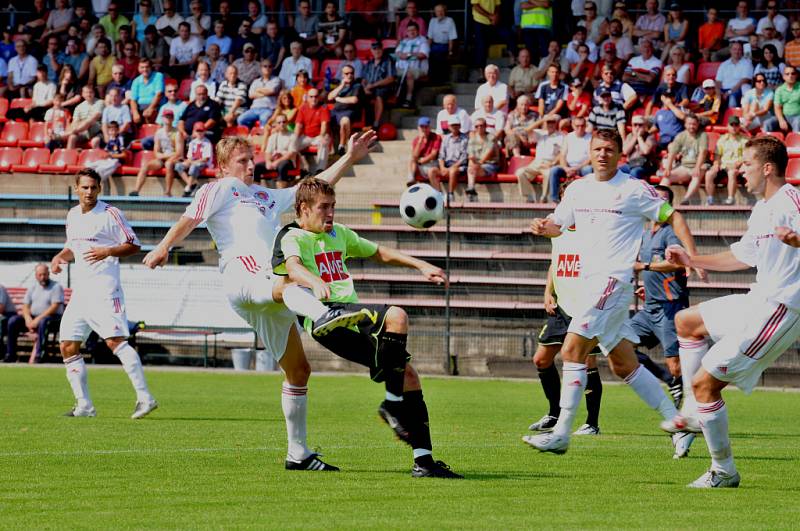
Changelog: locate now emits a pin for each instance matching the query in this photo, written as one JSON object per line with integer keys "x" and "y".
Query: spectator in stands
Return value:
{"x": 728, "y": 160}
{"x": 677, "y": 61}
{"x": 100, "y": 66}
{"x": 778, "y": 21}
{"x": 248, "y": 66}
{"x": 167, "y": 24}
{"x": 125, "y": 38}
{"x": 263, "y": 94}
{"x": 442, "y": 35}
{"x": 671, "y": 84}
{"x": 43, "y": 304}
{"x": 770, "y": 66}
{"x": 622, "y": 93}
{"x": 129, "y": 62}
{"x": 551, "y": 95}
{"x": 607, "y": 115}
{"x": 184, "y": 50}
{"x": 786, "y": 104}
{"x": 522, "y": 78}
{"x": 579, "y": 37}
{"x": 378, "y": 80}
{"x": 306, "y": 26}
{"x": 675, "y": 30}
{"x": 710, "y": 36}
{"x": 112, "y": 21}
{"x": 412, "y": 15}
{"x": 69, "y": 87}
{"x": 114, "y": 145}
{"x": 584, "y": 68}
{"x": 520, "y": 125}
{"x": 42, "y": 99}
{"x": 608, "y": 58}
{"x": 485, "y": 18}
{"x": 168, "y": 151}
{"x": 742, "y": 26}
{"x": 279, "y": 153}
{"x": 146, "y": 92}
{"x": 548, "y": 145}
{"x": 483, "y": 158}
{"x": 232, "y": 96}
{"x": 242, "y": 39}
{"x": 791, "y": 51}
{"x": 142, "y": 19}
{"x": 770, "y": 37}
{"x": 273, "y": 44}
{"x": 643, "y": 71}
{"x": 757, "y": 103}
{"x": 286, "y": 107}
{"x": 293, "y": 64}
{"x": 33, "y": 23}
{"x": 119, "y": 82}
{"x": 639, "y": 148}
{"x": 257, "y": 20}
{"x": 734, "y": 75}
{"x": 450, "y": 108}
{"x": 708, "y": 106}
{"x": 154, "y": 48}
{"x": 623, "y": 44}
{"x": 216, "y": 63}
{"x": 687, "y": 158}
{"x": 21, "y": 72}
{"x": 621, "y": 13}
{"x": 668, "y": 121}
{"x": 452, "y": 159}
{"x": 412, "y": 64}
{"x": 224, "y": 42}
{"x": 579, "y": 101}
{"x": 350, "y": 60}
{"x": 554, "y": 57}
{"x": 346, "y": 99}
{"x": 204, "y": 110}
{"x": 7, "y": 310}
{"x": 56, "y": 119}
{"x": 200, "y": 157}
{"x": 231, "y": 21}
{"x": 573, "y": 159}
{"x": 173, "y": 103}
{"x": 78, "y": 60}
{"x": 58, "y": 21}
{"x": 7, "y": 50}
{"x": 53, "y": 59}
{"x": 495, "y": 120}
{"x": 332, "y": 31}
{"x": 85, "y": 126}
{"x": 424, "y": 152}
{"x": 494, "y": 88}
{"x": 651, "y": 24}
{"x": 203, "y": 77}
{"x": 98, "y": 33}
{"x": 118, "y": 113}
{"x": 536, "y": 25}
{"x": 200, "y": 23}
{"x": 311, "y": 128}
{"x": 594, "y": 24}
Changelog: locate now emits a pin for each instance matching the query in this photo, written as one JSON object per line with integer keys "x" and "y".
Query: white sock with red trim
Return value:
{"x": 78, "y": 379}
{"x": 573, "y": 384}
{"x": 690, "y": 352}
{"x": 303, "y": 302}
{"x": 133, "y": 367}
{"x": 294, "y": 402}
{"x": 713, "y": 419}
{"x": 650, "y": 391}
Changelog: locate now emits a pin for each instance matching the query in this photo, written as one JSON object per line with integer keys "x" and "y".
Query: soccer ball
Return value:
{"x": 421, "y": 206}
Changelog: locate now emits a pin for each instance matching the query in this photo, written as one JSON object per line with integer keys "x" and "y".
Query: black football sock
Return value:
{"x": 419, "y": 430}
{"x": 594, "y": 393}
{"x": 651, "y": 366}
{"x": 392, "y": 359}
{"x": 551, "y": 384}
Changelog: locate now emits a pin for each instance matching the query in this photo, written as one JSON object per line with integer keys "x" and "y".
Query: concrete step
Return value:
{"x": 465, "y": 88}
{"x": 465, "y": 101}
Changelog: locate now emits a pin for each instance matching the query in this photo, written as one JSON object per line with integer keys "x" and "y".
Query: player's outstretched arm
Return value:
{"x": 300, "y": 274}
{"x": 64, "y": 256}
{"x": 545, "y": 227}
{"x": 182, "y": 228}
{"x": 788, "y": 236}
{"x": 389, "y": 256}
{"x": 683, "y": 233}
{"x": 359, "y": 145}
{"x": 724, "y": 261}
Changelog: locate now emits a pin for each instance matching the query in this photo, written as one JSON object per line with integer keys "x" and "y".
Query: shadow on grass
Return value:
{"x": 213, "y": 419}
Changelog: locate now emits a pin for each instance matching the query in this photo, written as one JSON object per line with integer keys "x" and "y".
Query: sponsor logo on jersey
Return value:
{"x": 759, "y": 237}
{"x": 568, "y": 265}
{"x": 331, "y": 266}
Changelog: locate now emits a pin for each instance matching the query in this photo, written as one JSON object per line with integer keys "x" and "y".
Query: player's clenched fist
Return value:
{"x": 787, "y": 236}
{"x": 675, "y": 254}
{"x": 156, "y": 258}
{"x": 539, "y": 226}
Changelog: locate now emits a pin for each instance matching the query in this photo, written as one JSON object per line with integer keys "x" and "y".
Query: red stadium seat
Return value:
{"x": 185, "y": 89}
{"x": 19, "y": 103}
{"x": 333, "y": 64}
{"x": 37, "y": 136}
{"x": 389, "y": 44}
{"x": 87, "y": 156}
{"x": 793, "y": 172}
{"x": 141, "y": 157}
{"x": 314, "y": 70}
{"x": 793, "y": 144}
{"x": 145, "y": 130}
{"x": 32, "y": 159}
{"x": 518, "y": 162}
{"x": 363, "y": 47}
{"x": 12, "y": 133}
{"x": 713, "y": 137}
{"x": 706, "y": 71}
{"x": 776, "y": 134}
{"x": 3, "y": 109}
{"x": 59, "y": 160}
{"x": 9, "y": 156}
{"x": 234, "y": 130}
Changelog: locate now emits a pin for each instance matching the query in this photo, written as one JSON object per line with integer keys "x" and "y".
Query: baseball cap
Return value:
{"x": 734, "y": 120}
{"x": 453, "y": 120}
{"x": 248, "y": 45}
{"x": 767, "y": 24}
{"x": 709, "y": 83}
{"x": 423, "y": 120}
{"x": 605, "y": 93}
{"x": 638, "y": 120}
{"x": 609, "y": 47}
{"x": 551, "y": 118}
{"x": 168, "y": 112}
{"x": 199, "y": 127}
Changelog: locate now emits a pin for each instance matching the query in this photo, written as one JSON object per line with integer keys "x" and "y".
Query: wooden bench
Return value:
{"x": 17, "y": 295}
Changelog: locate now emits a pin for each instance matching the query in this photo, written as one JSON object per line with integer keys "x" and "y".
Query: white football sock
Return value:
{"x": 294, "y": 402}
{"x": 303, "y": 302}
{"x": 573, "y": 384}
{"x": 713, "y": 419}
{"x": 133, "y": 367}
{"x": 393, "y": 397}
{"x": 77, "y": 376}
{"x": 649, "y": 390}
{"x": 691, "y": 352}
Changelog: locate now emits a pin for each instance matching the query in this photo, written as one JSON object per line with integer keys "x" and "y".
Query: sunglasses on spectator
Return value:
{"x": 761, "y": 80}
{"x": 638, "y": 123}
{"x": 589, "y": 8}
{"x": 792, "y": 73}
{"x": 795, "y": 29}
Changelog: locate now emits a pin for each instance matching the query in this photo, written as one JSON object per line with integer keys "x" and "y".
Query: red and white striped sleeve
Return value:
{"x": 119, "y": 226}
{"x": 206, "y": 202}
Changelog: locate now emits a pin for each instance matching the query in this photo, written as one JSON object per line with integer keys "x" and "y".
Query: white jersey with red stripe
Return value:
{"x": 778, "y": 264}
{"x": 566, "y": 263}
{"x": 103, "y": 226}
{"x": 610, "y": 217}
{"x": 243, "y": 220}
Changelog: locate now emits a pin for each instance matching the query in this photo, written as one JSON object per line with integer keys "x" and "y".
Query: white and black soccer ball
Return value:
{"x": 421, "y": 206}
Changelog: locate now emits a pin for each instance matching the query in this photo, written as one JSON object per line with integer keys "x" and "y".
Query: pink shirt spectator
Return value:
{"x": 401, "y": 28}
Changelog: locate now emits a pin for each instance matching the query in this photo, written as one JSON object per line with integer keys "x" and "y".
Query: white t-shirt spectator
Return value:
{"x": 201, "y": 149}
{"x": 199, "y": 28}
{"x": 43, "y": 92}
{"x": 163, "y": 21}
{"x": 24, "y": 70}
{"x": 780, "y": 22}
{"x": 730, "y": 73}
{"x": 547, "y": 146}
{"x": 210, "y": 85}
{"x": 443, "y": 118}
{"x": 413, "y": 47}
{"x": 442, "y": 31}
{"x": 183, "y": 51}
{"x": 290, "y": 68}
{"x": 266, "y": 102}
{"x": 653, "y": 64}
{"x": 740, "y": 24}
{"x": 499, "y": 92}
{"x": 572, "y": 55}
{"x": 624, "y": 47}
{"x": 495, "y": 122}
{"x": 577, "y": 148}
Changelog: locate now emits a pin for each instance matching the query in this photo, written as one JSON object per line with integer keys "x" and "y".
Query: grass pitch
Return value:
{"x": 212, "y": 457}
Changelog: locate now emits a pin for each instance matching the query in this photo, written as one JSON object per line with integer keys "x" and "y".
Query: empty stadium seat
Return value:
{"x": 12, "y": 133}
{"x": 3, "y": 109}
{"x": 185, "y": 89}
{"x": 793, "y": 144}
{"x": 32, "y": 158}
{"x": 19, "y": 103}
{"x": 706, "y": 71}
{"x": 234, "y": 130}
{"x": 713, "y": 137}
{"x": 141, "y": 157}
{"x": 87, "y": 156}
{"x": 9, "y": 156}
{"x": 60, "y": 160}
{"x": 793, "y": 172}
{"x": 333, "y": 64}
{"x": 144, "y": 131}
{"x": 37, "y": 136}
{"x": 363, "y": 47}
{"x": 389, "y": 44}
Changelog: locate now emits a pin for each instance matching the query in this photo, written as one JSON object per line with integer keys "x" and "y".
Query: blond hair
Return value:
{"x": 226, "y": 147}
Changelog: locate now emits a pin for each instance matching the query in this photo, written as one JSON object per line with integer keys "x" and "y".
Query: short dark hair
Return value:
{"x": 667, "y": 190}
{"x": 88, "y": 172}
{"x": 769, "y": 149}
{"x": 309, "y": 189}
{"x": 611, "y": 135}
{"x": 113, "y": 123}
{"x": 186, "y": 24}
{"x": 412, "y": 25}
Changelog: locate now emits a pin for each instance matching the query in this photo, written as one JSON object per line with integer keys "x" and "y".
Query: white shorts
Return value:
{"x": 750, "y": 333}
{"x": 107, "y": 317}
{"x": 248, "y": 286}
{"x": 605, "y": 314}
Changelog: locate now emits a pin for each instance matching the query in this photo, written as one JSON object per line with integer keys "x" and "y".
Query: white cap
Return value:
{"x": 709, "y": 83}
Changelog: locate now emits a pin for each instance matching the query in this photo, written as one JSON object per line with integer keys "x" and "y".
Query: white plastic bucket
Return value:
{"x": 265, "y": 362}
{"x": 241, "y": 358}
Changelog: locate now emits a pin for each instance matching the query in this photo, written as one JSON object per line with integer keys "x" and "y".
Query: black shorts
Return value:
{"x": 338, "y": 114}
{"x": 360, "y": 345}
{"x": 555, "y": 329}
